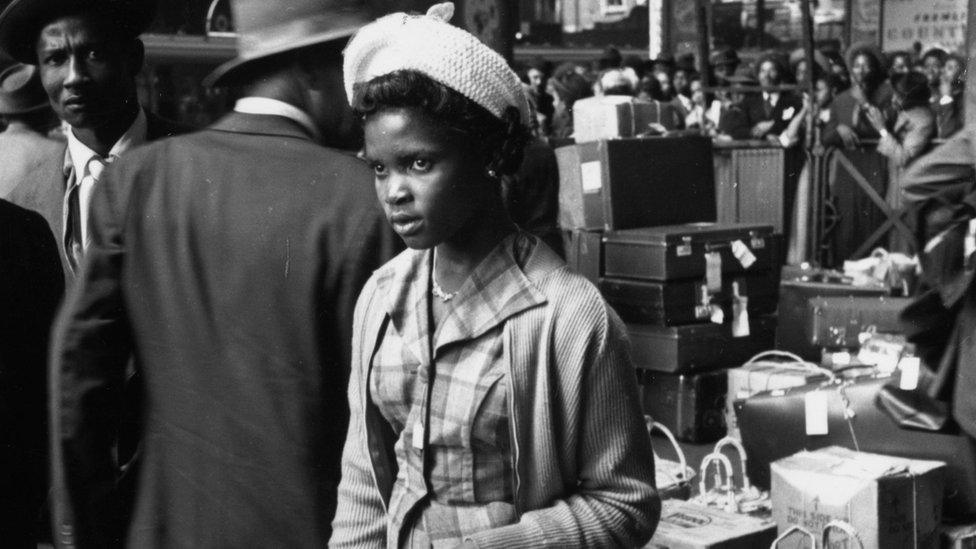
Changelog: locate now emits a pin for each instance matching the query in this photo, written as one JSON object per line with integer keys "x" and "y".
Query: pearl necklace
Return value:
{"x": 439, "y": 292}
{"x": 435, "y": 287}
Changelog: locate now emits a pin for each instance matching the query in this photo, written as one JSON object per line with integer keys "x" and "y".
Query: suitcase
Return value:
{"x": 697, "y": 347}
{"x": 584, "y": 253}
{"x": 773, "y": 426}
{"x": 793, "y": 334}
{"x": 627, "y": 183}
{"x": 690, "y": 405}
{"x": 679, "y": 251}
{"x": 686, "y": 301}
{"x": 836, "y": 322}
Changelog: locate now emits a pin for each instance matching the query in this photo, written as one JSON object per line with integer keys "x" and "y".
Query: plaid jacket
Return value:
{"x": 584, "y": 470}
{"x": 453, "y": 417}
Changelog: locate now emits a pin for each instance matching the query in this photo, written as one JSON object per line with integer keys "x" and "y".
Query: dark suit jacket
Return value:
{"x": 44, "y": 191}
{"x": 31, "y": 285}
{"x": 229, "y": 261}
{"x": 842, "y": 110}
{"x": 753, "y": 111}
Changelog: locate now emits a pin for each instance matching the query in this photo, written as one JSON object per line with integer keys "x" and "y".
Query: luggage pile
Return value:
{"x": 838, "y": 442}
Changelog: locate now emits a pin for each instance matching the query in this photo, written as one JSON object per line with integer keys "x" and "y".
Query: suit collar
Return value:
{"x": 261, "y": 124}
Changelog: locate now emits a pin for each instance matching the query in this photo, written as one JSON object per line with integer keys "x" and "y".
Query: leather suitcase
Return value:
{"x": 773, "y": 426}
{"x": 836, "y": 322}
{"x": 584, "y": 253}
{"x": 690, "y": 405}
{"x": 681, "y": 301}
{"x": 678, "y": 251}
{"x": 793, "y": 334}
{"x": 697, "y": 347}
{"x": 627, "y": 183}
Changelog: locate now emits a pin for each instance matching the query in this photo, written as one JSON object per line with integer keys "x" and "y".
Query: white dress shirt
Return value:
{"x": 80, "y": 156}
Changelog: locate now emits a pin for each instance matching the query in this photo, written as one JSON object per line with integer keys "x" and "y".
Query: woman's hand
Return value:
{"x": 858, "y": 94}
{"x": 875, "y": 117}
{"x": 847, "y": 135}
{"x": 762, "y": 128}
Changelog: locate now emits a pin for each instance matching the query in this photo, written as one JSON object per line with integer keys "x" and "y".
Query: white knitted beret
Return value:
{"x": 430, "y": 45}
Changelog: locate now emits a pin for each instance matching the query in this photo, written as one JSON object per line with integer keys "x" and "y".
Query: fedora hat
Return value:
{"x": 724, "y": 56}
{"x": 265, "y": 28}
{"x": 22, "y": 20}
{"x": 20, "y": 90}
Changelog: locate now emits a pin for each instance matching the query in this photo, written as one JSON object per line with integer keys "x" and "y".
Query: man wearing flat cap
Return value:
{"x": 229, "y": 261}
{"x": 88, "y": 55}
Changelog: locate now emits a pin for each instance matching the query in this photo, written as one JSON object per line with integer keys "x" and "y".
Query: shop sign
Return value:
{"x": 940, "y": 23}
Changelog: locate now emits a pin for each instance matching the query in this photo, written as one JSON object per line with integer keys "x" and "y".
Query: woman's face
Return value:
{"x": 428, "y": 185}
{"x": 697, "y": 95}
{"x": 801, "y": 72}
{"x": 932, "y": 68}
{"x": 768, "y": 74}
{"x": 665, "y": 81}
{"x": 952, "y": 70}
{"x": 681, "y": 81}
{"x": 861, "y": 70}
{"x": 899, "y": 65}
{"x": 824, "y": 94}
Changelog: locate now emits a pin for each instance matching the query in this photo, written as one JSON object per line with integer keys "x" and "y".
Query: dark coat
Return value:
{"x": 229, "y": 261}
{"x": 31, "y": 285}
{"x": 940, "y": 191}
{"x": 787, "y": 106}
{"x": 842, "y": 110}
{"x": 44, "y": 191}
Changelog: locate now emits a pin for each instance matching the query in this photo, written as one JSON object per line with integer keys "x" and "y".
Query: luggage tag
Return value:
{"x": 757, "y": 242}
{"x": 417, "y": 440}
{"x": 909, "y": 367}
{"x": 815, "y": 411}
{"x": 713, "y": 271}
{"x": 704, "y": 308}
{"x": 741, "y": 252}
{"x": 740, "y": 313}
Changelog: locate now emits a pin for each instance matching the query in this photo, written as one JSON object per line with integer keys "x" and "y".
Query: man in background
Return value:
{"x": 25, "y": 148}
{"x": 229, "y": 261}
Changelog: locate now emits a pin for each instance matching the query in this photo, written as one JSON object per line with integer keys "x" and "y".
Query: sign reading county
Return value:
{"x": 932, "y": 23}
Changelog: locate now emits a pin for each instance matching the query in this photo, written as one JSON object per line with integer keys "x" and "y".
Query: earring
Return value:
{"x": 492, "y": 174}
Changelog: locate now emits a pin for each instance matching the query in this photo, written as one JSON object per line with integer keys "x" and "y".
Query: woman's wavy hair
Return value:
{"x": 500, "y": 143}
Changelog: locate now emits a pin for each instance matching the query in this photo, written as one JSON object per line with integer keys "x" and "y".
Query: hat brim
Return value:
{"x": 8, "y": 110}
{"x": 228, "y": 73}
{"x": 22, "y": 20}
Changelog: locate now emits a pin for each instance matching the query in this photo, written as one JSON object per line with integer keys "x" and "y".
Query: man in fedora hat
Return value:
{"x": 88, "y": 55}
{"x": 25, "y": 148}
{"x": 229, "y": 261}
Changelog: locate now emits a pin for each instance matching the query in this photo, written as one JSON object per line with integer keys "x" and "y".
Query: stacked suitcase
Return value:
{"x": 697, "y": 299}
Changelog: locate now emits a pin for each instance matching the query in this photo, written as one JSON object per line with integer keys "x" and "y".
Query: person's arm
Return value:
{"x": 360, "y": 519}
{"x": 90, "y": 349}
{"x": 614, "y": 503}
{"x": 948, "y": 165}
{"x": 915, "y": 140}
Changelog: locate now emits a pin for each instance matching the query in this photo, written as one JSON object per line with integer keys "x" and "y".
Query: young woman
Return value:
{"x": 492, "y": 399}
{"x": 947, "y": 103}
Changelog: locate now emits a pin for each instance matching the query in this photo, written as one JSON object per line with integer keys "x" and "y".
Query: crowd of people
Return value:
{"x": 762, "y": 99}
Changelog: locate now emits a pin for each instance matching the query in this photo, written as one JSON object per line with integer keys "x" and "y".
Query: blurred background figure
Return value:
{"x": 899, "y": 62}
{"x": 566, "y": 88}
{"x": 770, "y": 111}
{"x": 932, "y": 62}
{"x": 25, "y": 148}
{"x": 908, "y": 138}
{"x": 947, "y": 104}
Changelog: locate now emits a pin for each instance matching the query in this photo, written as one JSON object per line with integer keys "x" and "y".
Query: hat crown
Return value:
{"x": 21, "y": 90}
{"x": 256, "y": 16}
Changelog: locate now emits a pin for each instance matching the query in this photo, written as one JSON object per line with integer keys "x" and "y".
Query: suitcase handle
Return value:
{"x": 655, "y": 426}
{"x": 713, "y": 246}
{"x": 729, "y": 441}
{"x": 721, "y": 461}
{"x": 792, "y": 361}
{"x": 803, "y": 531}
{"x": 843, "y": 526}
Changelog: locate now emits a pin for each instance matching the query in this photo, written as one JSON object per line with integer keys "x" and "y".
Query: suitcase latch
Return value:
{"x": 755, "y": 241}
{"x": 684, "y": 249}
